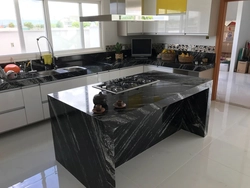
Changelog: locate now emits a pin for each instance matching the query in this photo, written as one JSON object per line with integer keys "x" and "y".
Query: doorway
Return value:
{"x": 230, "y": 86}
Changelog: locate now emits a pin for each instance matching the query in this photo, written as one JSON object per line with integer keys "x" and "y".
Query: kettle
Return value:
{"x": 101, "y": 99}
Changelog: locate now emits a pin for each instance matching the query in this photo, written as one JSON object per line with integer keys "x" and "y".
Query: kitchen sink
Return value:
{"x": 74, "y": 68}
{"x": 47, "y": 73}
{"x": 62, "y": 70}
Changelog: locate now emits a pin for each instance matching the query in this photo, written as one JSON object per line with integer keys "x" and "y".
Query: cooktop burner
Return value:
{"x": 125, "y": 84}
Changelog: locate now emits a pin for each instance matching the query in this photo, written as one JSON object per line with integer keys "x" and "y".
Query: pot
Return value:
{"x": 100, "y": 99}
{"x": 12, "y": 67}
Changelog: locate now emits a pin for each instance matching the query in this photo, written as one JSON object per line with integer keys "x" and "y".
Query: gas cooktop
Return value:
{"x": 125, "y": 84}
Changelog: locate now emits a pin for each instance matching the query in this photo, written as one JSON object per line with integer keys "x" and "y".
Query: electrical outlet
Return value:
{"x": 12, "y": 45}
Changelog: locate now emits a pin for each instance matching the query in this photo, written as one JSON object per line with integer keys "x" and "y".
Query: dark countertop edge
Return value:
{"x": 175, "y": 97}
{"x": 51, "y": 79}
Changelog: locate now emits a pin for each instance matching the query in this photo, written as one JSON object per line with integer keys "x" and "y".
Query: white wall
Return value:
{"x": 242, "y": 33}
{"x": 231, "y": 11}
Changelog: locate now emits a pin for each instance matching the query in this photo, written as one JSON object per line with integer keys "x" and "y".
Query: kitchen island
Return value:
{"x": 91, "y": 146}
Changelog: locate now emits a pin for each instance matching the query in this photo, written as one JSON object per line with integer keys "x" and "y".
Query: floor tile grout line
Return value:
{"x": 185, "y": 163}
{"x": 225, "y": 165}
{"x": 233, "y": 104}
{"x": 138, "y": 186}
{"x": 213, "y": 139}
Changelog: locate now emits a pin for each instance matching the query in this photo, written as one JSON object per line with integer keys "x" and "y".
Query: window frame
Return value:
{"x": 23, "y": 56}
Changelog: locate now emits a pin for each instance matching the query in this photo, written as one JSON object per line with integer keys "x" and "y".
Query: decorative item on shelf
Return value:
{"x": 168, "y": 55}
{"x": 119, "y": 104}
{"x": 118, "y": 51}
{"x": 185, "y": 58}
{"x": 100, "y": 99}
{"x": 204, "y": 60}
{"x": 98, "y": 109}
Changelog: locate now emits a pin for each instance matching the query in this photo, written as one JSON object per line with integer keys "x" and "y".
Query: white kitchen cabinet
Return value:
{"x": 135, "y": 27}
{"x": 130, "y": 28}
{"x": 149, "y": 28}
{"x": 141, "y": 28}
{"x": 33, "y": 104}
{"x": 131, "y": 71}
{"x": 175, "y": 25}
{"x": 46, "y": 110}
{"x": 103, "y": 76}
{"x": 202, "y": 17}
{"x": 160, "y": 27}
{"x": 12, "y": 120}
{"x": 11, "y": 100}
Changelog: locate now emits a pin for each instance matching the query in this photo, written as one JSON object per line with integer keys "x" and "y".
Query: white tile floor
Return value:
{"x": 221, "y": 159}
{"x": 234, "y": 88}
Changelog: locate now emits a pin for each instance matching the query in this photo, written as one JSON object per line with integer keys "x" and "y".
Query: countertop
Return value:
{"x": 33, "y": 78}
{"x": 171, "y": 88}
{"x": 91, "y": 146}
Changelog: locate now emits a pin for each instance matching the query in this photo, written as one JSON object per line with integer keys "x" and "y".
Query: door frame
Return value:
{"x": 218, "y": 45}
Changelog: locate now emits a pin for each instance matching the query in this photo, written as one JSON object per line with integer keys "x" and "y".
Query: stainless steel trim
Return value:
{"x": 116, "y": 93}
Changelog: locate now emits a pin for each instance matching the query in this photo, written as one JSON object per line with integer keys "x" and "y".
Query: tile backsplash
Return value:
{"x": 180, "y": 47}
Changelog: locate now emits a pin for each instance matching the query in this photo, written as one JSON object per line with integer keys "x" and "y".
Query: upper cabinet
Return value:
{"x": 202, "y": 17}
{"x": 170, "y": 6}
{"x": 182, "y": 17}
{"x": 175, "y": 24}
{"x": 130, "y": 28}
{"x": 135, "y": 27}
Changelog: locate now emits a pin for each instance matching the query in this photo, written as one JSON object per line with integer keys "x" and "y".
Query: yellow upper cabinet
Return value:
{"x": 171, "y": 6}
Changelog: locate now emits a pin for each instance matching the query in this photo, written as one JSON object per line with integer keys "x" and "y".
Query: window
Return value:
{"x": 91, "y": 29}
{"x": 23, "y": 21}
{"x": 33, "y": 24}
{"x": 65, "y": 25}
{"x": 10, "y": 43}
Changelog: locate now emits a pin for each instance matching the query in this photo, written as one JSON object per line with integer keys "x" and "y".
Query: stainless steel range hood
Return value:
{"x": 127, "y": 10}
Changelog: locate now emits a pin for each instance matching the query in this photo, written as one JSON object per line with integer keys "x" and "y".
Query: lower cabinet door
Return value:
{"x": 46, "y": 110}
{"x": 33, "y": 104}
{"x": 12, "y": 120}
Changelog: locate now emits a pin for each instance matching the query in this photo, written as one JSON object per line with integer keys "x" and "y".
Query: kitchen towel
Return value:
{"x": 47, "y": 58}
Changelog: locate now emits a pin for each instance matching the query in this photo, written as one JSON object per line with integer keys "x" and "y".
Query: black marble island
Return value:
{"x": 91, "y": 146}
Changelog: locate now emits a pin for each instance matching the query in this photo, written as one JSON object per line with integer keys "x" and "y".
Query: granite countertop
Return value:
{"x": 34, "y": 78}
{"x": 171, "y": 88}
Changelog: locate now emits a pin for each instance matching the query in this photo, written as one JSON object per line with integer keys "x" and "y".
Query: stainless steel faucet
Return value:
{"x": 51, "y": 48}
